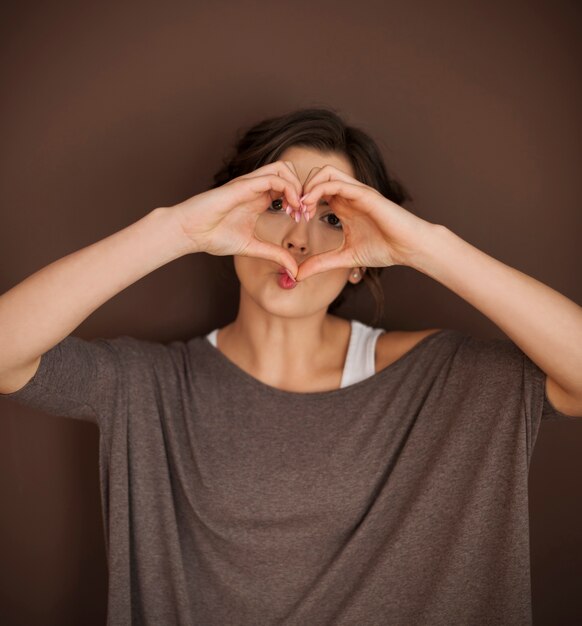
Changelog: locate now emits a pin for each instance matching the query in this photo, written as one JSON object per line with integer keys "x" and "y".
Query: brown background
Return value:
{"x": 110, "y": 109}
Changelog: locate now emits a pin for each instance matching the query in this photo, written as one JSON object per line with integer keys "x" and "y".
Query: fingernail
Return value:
{"x": 290, "y": 275}
{"x": 307, "y": 217}
{"x": 303, "y": 197}
{"x": 288, "y": 210}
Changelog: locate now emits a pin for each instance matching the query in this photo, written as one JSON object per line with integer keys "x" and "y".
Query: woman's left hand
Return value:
{"x": 377, "y": 232}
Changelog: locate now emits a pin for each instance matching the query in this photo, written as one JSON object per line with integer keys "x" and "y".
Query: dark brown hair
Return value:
{"x": 322, "y": 129}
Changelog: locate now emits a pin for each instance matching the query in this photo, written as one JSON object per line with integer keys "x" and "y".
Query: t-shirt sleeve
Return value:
{"x": 499, "y": 373}
{"x": 79, "y": 378}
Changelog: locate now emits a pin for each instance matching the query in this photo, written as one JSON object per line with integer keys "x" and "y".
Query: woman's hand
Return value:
{"x": 377, "y": 232}
{"x": 222, "y": 221}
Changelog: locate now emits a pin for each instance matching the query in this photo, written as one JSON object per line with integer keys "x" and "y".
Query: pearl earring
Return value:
{"x": 355, "y": 275}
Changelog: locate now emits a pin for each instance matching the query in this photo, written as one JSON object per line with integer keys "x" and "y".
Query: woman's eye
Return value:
{"x": 333, "y": 220}
{"x": 276, "y": 205}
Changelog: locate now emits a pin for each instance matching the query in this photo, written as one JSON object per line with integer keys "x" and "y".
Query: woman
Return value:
{"x": 294, "y": 467}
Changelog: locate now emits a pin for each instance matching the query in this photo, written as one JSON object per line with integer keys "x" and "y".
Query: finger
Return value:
{"x": 296, "y": 215}
{"x": 324, "y": 262}
{"x": 320, "y": 175}
{"x": 282, "y": 169}
{"x": 272, "y": 182}
{"x": 294, "y": 178}
{"x": 310, "y": 176}
{"x": 331, "y": 188}
{"x": 271, "y": 252}
{"x": 291, "y": 166}
{"x": 327, "y": 173}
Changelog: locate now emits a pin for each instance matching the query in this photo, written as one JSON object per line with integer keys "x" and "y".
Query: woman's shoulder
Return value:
{"x": 393, "y": 344}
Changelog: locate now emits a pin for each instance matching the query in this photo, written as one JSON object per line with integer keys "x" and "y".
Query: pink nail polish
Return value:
{"x": 306, "y": 216}
{"x": 297, "y": 216}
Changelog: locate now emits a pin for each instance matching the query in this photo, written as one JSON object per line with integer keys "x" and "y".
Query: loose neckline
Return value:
{"x": 329, "y": 393}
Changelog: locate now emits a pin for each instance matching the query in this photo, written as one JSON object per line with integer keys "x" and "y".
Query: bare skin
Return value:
{"x": 380, "y": 233}
{"x": 286, "y": 338}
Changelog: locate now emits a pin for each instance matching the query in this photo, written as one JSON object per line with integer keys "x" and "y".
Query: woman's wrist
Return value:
{"x": 420, "y": 252}
{"x": 431, "y": 248}
{"x": 176, "y": 242}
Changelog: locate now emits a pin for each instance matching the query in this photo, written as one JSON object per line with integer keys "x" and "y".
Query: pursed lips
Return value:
{"x": 284, "y": 270}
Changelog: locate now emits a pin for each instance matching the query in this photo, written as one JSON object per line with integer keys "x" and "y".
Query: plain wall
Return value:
{"x": 111, "y": 109}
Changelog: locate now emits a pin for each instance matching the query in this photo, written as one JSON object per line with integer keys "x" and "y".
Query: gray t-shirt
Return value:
{"x": 401, "y": 499}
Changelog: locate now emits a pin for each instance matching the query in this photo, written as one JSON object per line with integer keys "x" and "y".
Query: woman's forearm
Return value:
{"x": 545, "y": 324}
{"x": 48, "y": 305}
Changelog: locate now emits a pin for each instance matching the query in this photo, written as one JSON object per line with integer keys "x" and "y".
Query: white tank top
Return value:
{"x": 360, "y": 358}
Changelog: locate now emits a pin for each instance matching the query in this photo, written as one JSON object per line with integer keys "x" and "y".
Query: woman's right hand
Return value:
{"x": 222, "y": 221}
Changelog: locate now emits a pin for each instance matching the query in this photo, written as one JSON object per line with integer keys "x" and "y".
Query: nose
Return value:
{"x": 296, "y": 238}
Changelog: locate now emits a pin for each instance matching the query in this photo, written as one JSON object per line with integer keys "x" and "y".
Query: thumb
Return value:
{"x": 272, "y": 252}
{"x": 323, "y": 262}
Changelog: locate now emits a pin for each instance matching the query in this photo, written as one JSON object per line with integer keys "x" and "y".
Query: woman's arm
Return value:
{"x": 542, "y": 322}
{"x": 546, "y": 325}
{"x": 48, "y": 305}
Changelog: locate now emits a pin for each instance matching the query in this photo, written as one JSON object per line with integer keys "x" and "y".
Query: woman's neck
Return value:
{"x": 298, "y": 354}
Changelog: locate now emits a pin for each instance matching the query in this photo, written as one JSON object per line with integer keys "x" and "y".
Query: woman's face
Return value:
{"x": 260, "y": 278}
